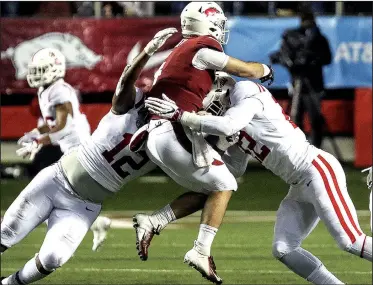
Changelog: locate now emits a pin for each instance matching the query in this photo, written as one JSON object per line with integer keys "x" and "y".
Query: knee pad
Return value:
{"x": 280, "y": 249}
{"x": 53, "y": 260}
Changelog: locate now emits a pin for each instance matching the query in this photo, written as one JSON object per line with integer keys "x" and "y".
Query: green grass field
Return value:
{"x": 242, "y": 248}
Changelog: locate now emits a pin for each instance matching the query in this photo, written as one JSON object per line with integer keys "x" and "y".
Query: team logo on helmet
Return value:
{"x": 211, "y": 11}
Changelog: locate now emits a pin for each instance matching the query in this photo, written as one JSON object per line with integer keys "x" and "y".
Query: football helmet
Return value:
{"x": 46, "y": 66}
{"x": 217, "y": 100}
{"x": 204, "y": 18}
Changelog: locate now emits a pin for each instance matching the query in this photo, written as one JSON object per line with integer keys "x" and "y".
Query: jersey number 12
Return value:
{"x": 117, "y": 163}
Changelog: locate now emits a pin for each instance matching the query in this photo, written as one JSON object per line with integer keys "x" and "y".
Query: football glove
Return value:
{"x": 225, "y": 142}
{"x": 269, "y": 77}
{"x": 29, "y": 137}
{"x": 29, "y": 148}
{"x": 158, "y": 40}
{"x": 166, "y": 108}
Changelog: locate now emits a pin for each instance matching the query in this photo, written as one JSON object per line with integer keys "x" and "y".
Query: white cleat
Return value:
{"x": 145, "y": 232}
{"x": 204, "y": 264}
{"x": 100, "y": 228}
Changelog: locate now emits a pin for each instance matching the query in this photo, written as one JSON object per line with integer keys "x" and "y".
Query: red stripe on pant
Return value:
{"x": 340, "y": 195}
{"x": 334, "y": 203}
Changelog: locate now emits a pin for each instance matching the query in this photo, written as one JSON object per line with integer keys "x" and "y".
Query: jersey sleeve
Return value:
{"x": 60, "y": 94}
{"x": 207, "y": 58}
{"x": 235, "y": 119}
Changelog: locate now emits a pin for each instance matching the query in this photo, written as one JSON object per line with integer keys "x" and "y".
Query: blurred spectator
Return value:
{"x": 84, "y": 9}
{"x": 111, "y": 10}
{"x": 178, "y": 6}
{"x": 133, "y": 8}
{"x": 52, "y": 9}
{"x": 304, "y": 51}
{"x": 9, "y": 9}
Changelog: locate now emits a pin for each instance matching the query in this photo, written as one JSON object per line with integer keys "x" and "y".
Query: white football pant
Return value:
{"x": 324, "y": 196}
{"x": 171, "y": 150}
{"x": 48, "y": 197}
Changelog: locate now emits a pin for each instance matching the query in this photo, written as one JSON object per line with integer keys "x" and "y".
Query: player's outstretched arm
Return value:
{"x": 207, "y": 58}
{"x": 236, "y": 118}
{"x": 124, "y": 96}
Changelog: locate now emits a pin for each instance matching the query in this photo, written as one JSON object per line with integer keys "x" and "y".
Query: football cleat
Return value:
{"x": 100, "y": 228}
{"x": 145, "y": 232}
{"x": 203, "y": 264}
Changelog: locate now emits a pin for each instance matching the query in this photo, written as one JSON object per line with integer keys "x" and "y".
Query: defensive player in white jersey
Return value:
{"x": 70, "y": 192}
{"x": 64, "y": 124}
{"x": 318, "y": 184}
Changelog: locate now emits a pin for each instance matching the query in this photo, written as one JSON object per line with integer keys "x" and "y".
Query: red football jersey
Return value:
{"x": 180, "y": 80}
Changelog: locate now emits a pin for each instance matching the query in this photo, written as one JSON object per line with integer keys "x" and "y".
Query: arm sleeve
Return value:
{"x": 207, "y": 58}
{"x": 235, "y": 119}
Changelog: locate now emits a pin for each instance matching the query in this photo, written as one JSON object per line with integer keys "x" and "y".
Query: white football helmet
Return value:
{"x": 204, "y": 18}
{"x": 46, "y": 66}
{"x": 217, "y": 100}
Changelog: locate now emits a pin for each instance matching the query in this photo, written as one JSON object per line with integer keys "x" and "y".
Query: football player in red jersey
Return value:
{"x": 186, "y": 77}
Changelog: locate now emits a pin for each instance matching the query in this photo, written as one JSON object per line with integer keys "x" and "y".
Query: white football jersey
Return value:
{"x": 271, "y": 137}
{"x": 106, "y": 155}
{"x": 77, "y": 126}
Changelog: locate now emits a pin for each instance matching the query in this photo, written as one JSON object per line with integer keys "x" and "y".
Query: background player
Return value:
{"x": 70, "y": 192}
{"x": 186, "y": 76}
{"x": 318, "y": 184}
{"x": 64, "y": 125}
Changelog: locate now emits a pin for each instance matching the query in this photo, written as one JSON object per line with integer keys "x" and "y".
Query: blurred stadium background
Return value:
{"x": 98, "y": 39}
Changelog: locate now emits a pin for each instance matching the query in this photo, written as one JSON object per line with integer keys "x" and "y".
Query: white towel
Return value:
{"x": 202, "y": 156}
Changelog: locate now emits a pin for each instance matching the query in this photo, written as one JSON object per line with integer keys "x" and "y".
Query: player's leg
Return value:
{"x": 169, "y": 147}
{"x": 68, "y": 224}
{"x": 149, "y": 225}
{"x": 335, "y": 208}
{"x": 29, "y": 209}
{"x": 295, "y": 221}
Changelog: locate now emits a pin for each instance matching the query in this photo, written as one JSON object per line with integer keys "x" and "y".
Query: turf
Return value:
{"x": 260, "y": 191}
{"x": 242, "y": 248}
{"x": 242, "y": 252}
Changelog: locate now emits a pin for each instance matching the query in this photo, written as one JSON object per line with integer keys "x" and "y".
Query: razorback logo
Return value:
{"x": 76, "y": 52}
{"x": 211, "y": 11}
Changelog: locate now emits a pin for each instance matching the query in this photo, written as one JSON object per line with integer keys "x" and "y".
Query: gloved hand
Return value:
{"x": 158, "y": 40}
{"x": 29, "y": 148}
{"x": 270, "y": 76}
{"x": 225, "y": 142}
{"x": 29, "y": 137}
{"x": 166, "y": 108}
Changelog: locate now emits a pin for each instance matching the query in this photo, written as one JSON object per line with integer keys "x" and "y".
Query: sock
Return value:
{"x": 163, "y": 217}
{"x": 322, "y": 276}
{"x": 31, "y": 272}
{"x": 205, "y": 238}
{"x": 308, "y": 266}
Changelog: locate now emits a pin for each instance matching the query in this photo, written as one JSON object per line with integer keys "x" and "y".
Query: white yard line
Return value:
{"x": 178, "y": 271}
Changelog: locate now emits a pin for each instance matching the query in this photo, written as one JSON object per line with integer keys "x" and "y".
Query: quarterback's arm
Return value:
{"x": 207, "y": 58}
{"x": 235, "y": 119}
